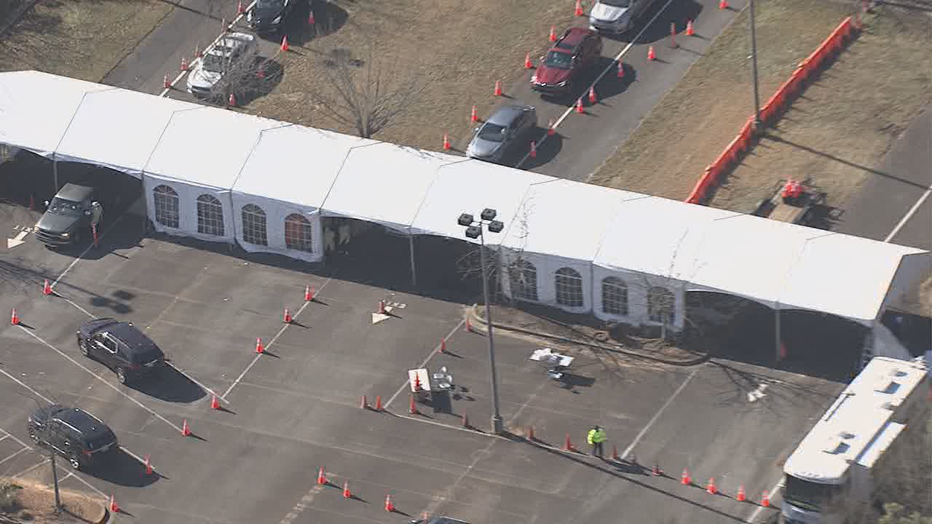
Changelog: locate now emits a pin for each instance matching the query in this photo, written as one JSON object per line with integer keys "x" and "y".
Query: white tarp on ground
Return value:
{"x": 36, "y": 108}
{"x": 201, "y": 152}
{"x": 469, "y": 186}
{"x": 384, "y": 183}
{"x": 289, "y": 172}
{"x": 118, "y": 129}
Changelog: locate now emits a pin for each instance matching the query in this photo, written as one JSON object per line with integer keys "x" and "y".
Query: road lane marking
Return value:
{"x": 909, "y": 214}
{"x": 424, "y": 363}
{"x": 88, "y": 248}
{"x": 98, "y": 377}
{"x": 611, "y": 66}
{"x": 21, "y": 383}
{"x": 192, "y": 379}
{"x": 656, "y": 416}
{"x": 271, "y": 342}
{"x": 760, "y": 509}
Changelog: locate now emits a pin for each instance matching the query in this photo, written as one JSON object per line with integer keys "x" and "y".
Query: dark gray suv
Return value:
{"x": 512, "y": 124}
{"x": 72, "y": 433}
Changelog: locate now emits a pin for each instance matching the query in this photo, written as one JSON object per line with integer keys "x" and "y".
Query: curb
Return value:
{"x": 479, "y": 321}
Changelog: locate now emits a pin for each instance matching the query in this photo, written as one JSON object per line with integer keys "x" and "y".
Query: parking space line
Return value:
{"x": 759, "y": 509}
{"x": 79, "y": 308}
{"x": 656, "y": 416}
{"x": 21, "y": 383}
{"x": 14, "y": 455}
{"x": 98, "y": 377}
{"x": 88, "y": 484}
{"x": 611, "y": 66}
{"x": 909, "y": 214}
{"x": 4, "y": 437}
{"x": 271, "y": 342}
{"x": 18, "y": 441}
{"x": 88, "y": 248}
{"x": 30, "y": 468}
{"x": 424, "y": 363}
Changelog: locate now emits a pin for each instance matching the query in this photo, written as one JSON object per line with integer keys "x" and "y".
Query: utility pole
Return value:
{"x": 754, "y": 65}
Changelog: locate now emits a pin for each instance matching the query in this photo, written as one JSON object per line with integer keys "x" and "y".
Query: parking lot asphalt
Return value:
{"x": 296, "y": 408}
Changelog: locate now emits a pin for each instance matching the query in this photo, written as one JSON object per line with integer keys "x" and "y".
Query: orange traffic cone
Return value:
{"x": 286, "y": 318}
{"x": 446, "y": 147}
{"x": 615, "y": 456}
{"x": 14, "y": 319}
{"x": 468, "y": 325}
{"x": 533, "y": 153}
{"x": 650, "y": 53}
{"x": 465, "y": 420}
{"x": 232, "y": 100}
{"x": 148, "y": 464}
{"x": 498, "y": 88}
{"x": 239, "y": 7}
{"x": 197, "y": 51}
{"x": 321, "y": 478}
{"x": 684, "y": 478}
{"x": 363, "y": 404}
{"x": 621, "y": 70}
{"x": 592, "y": 98}
{"x": 527, "y": 62}
{"x": 389, "y": 506}
{"x": 184, "y": 64}
{"x": 412, "y": 408}
{"x": 578, "y": 11}
{"x": 382, "y": 302}
{"x": 114, "y": 508}
{"x": 710, "y": 487}
{"x": 567, "y": 444}
{"x": 185, "y": 430}
{"x": 765, "y": 499}
{"x": 308, "y": 293}
{"x": 656, "y": 469}
{"x": 284, "y": 46}
{"x": 550, "y": 129}
{"x": 346, "y": 491}
{"x": 474, "y": 115}
{"x": 530, "y": 433}
{"x": 46, "y": 288}
{"x": 673, "y": 35}
{"x": 378, "y": 402}
{"x": 741, "y": 497}
{"x": 689, "y": 28}
{"x": 723, "y": 4}
{"x": 214, "y": 402}
{"x": 553, "y": 33}
{"x": 310, "y": 18}
{"x": 579, "y": 106}
{"x": 166, "y": 84}
{"x": 443, "y": 345}
{"x": 259, "y": 347}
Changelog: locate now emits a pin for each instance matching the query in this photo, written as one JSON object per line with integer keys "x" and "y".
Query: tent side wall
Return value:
{"x": 546, "y": 268}
{"x": 184, "y": 200}
{"x": 903, "y": 293}
{"x": 276, "y": 213}
{"x": 636, "y": 289}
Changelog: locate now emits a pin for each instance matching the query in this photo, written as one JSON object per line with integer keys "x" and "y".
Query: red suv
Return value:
{"x": 576, "y": 50}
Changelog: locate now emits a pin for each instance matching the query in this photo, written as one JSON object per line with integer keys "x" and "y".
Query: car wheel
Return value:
{"x": 34, "y": 437}
{"x": 74, "y": 462}
{"x": 121, "y": 376}
{"x": 82, "y": 343}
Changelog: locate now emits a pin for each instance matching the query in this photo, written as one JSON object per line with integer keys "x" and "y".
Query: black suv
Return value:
{"x": 73, "y": 433}
{"x": 268, "y": 15}
{"x": 121, "y": 347}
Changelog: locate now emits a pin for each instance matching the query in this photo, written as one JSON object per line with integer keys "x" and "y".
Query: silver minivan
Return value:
{"x": 509, "y": 125}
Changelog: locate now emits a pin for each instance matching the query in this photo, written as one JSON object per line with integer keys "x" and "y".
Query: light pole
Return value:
{"x": 754, "y": 65}
{"x": 475, "y": 229}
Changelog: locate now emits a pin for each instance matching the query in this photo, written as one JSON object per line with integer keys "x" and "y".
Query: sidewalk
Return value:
{"x": 548, "y": 328}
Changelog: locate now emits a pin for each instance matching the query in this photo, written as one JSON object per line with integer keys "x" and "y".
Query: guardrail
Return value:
{"x": 774, "y": 107}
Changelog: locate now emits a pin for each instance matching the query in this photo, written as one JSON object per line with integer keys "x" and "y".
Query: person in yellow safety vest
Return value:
{"x": 595, "y": 438}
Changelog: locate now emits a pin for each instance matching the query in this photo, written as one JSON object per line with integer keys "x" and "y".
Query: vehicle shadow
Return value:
{"x": 676, "y": 13}
{"x": 170, "y": 385}
{"x": 546, "y": 151}
{"x": 268, "y": 74}
{"x": 328, "y": 19}
{"x": 122, "y": 469}
{"x": 611, "y": 85}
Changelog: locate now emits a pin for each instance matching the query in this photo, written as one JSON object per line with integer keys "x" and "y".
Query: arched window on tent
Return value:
{"x": 254, "y": 225}
{"x": 166, "y": 206}
{"x": 523, "y": 279}
{"x": 569, "y": 287}
{"x": 298, "y": 233}
{"x": 209, "y": 215}
{"x": 614, "y": 296}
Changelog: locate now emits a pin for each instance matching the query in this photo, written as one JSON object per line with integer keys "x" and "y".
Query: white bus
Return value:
{"x": 864, "y": 422}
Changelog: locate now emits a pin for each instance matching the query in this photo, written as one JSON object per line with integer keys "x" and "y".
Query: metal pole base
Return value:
{"x": 497, "y": 425}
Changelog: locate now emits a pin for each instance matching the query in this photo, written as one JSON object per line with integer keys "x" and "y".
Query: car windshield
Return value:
{"x": 558, "y": 60}
{"x": 492, "y": 132}
{"x": 65, "y": 207}
{"x": 615, "y": 3}
{"x": 806, "y": 494}
{"x": 213, "y": 63}
{"x": 270, "y": 4}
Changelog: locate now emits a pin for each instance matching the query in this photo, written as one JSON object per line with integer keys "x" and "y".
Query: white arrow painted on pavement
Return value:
{"x": 17, "y": 240}
{"x": 757, "y": 394}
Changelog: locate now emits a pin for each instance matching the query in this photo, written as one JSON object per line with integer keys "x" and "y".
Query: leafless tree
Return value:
{"x": 365, "y": 94}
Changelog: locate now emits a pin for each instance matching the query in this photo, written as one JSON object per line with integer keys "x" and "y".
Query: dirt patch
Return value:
{"x": 457, "y": 50}
{"x": 693, "y": 123}
{"x": 81, "y": 39}
{"x": 29, "y": 502}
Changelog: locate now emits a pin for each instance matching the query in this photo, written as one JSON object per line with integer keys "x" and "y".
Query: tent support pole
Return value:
{"x": 55, "y": 171}
{"x": 777, "y": 340}
{"x": 413, "y": 268}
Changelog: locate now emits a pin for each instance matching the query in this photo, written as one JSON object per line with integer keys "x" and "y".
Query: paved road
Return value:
{"x": 903, "y": 179}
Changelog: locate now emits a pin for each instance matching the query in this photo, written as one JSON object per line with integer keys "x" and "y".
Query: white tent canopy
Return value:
{"x": 223, "y": 175}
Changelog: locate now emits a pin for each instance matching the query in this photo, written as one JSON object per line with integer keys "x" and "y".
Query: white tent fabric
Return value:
{"x": 596, "y": 232}
{"x": 118, "y": 129}
{"x": 383, "y": 183}
{"x": 36, "y": 108}
{"x": 201, "y": 153}
{"x": 283, "y": 187}
{"x": 469, "y": 186}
